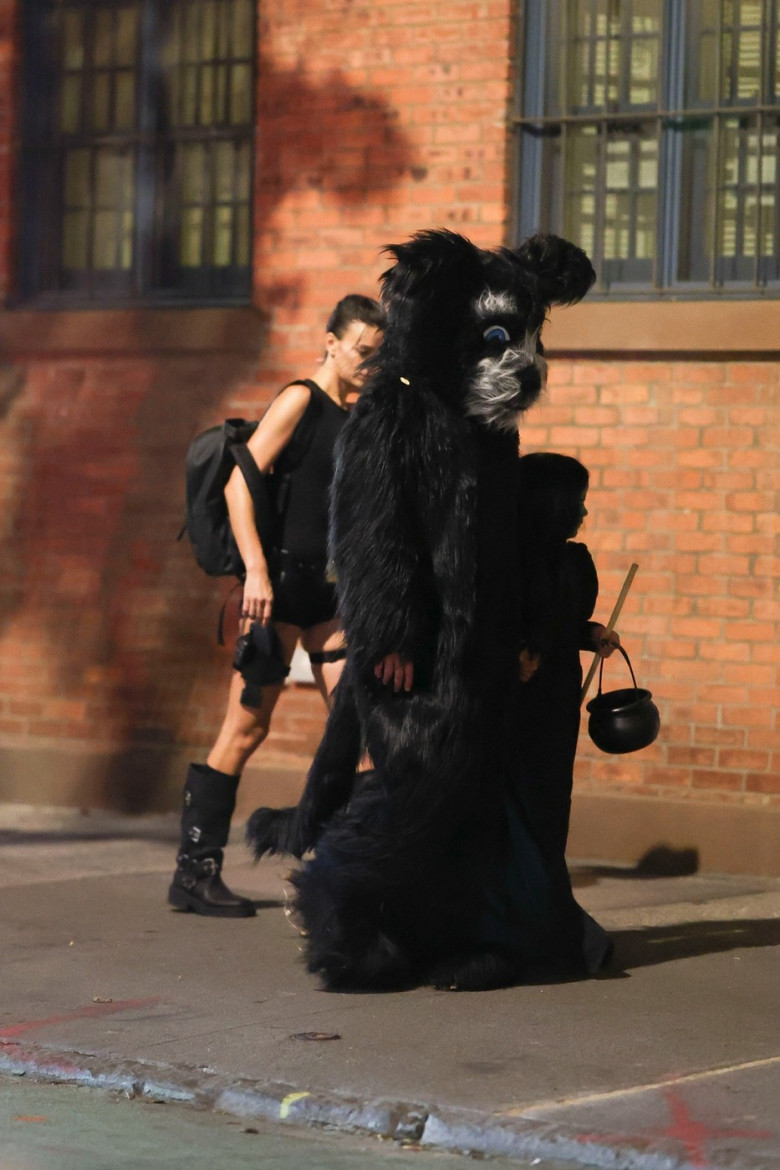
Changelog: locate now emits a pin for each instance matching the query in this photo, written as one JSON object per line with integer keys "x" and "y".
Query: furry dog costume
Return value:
{"x": 428, "y": 868}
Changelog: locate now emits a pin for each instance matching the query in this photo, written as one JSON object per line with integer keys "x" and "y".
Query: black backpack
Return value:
{"x": 209, "y": 463}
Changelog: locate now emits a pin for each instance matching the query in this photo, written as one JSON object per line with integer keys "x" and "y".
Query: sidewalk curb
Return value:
{"x": 461, "y": 1131}
{"x": 208, "y": 1089}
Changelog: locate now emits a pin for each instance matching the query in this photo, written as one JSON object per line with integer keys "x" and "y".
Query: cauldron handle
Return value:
{"x": 610, "y": 626}
{"x": 630, "y": 667}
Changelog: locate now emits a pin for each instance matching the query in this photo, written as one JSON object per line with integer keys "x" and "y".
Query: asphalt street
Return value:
{"x": 671, "y": 1061}
{"x": 60, "y": 1127}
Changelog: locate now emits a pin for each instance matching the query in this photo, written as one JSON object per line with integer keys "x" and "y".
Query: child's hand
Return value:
{"x": 529, "y": 664}
{"x": 604, "y": 643}
{"x": 396, "y": 670}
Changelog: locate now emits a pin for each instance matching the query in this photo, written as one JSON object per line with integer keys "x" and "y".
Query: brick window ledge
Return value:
{"x": 686, "y": 328}
{"x": 130, "y": 331}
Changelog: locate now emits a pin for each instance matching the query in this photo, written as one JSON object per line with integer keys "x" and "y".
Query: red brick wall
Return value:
{"x": 373, "y": 121}
{"x": 684, "y": 482}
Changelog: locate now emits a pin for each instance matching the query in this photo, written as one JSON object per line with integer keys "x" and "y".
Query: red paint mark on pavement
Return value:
{"x": 89, "y": 1011}
{"x": 693, "y": 1134}
{"x": 684, "y": 1129}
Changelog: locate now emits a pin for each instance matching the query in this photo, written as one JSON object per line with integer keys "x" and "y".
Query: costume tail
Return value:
{"x": 273, "y": 830}
{"x": 328, "y": 786}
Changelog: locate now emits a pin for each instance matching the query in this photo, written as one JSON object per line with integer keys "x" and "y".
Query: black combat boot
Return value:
{"x": 209, "y": 800}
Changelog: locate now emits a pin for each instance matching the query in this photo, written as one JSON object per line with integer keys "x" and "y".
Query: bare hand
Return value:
{"x": 258, "y": 600}
{"x": 604, "y": 643}
{"x": 393, "y": 668}
{"x": 529, "y": 664}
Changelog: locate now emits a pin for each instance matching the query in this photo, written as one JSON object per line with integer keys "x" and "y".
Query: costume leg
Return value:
{"x": 331, "y": 777}
{"x": 347, "y": 943}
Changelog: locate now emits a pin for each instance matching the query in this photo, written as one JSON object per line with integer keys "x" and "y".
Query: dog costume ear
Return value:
{"x": 562, "y": 269}
{"x": 428, "y": 263}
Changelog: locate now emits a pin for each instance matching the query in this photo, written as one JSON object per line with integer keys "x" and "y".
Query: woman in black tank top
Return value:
{"x": 290, "y": 586}
{"x": 303, "y": 596}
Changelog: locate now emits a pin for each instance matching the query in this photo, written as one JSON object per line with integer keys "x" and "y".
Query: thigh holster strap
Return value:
{"x": 317, "y": 657}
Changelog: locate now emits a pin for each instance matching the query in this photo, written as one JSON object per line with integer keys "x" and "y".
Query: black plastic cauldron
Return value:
{"x": 623, "y": 721}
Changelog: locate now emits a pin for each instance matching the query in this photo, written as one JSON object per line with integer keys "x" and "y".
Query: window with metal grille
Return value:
{"x": 648, "y": 132}
{"x": 136, "y": 169}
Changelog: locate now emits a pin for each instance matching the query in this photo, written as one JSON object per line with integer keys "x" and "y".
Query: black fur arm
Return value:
{"x": 388, "y": 499}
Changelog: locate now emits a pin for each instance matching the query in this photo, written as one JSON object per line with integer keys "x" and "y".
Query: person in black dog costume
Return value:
{"x": 428, "y": 868}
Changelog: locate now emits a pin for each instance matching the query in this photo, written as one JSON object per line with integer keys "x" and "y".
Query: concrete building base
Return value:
{"x": 692, "y": 835}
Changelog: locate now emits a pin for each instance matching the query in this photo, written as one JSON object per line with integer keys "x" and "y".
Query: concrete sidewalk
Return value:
{"x": 671, "y": 1062}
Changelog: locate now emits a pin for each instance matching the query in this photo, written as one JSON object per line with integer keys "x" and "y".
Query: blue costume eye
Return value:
{"x": 496, "y": 333}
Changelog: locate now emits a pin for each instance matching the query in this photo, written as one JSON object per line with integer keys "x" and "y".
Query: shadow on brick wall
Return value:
{"x": 108, "y": 626}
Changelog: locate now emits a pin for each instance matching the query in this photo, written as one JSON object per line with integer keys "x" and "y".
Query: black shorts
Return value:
{"x": 302, "y": 595}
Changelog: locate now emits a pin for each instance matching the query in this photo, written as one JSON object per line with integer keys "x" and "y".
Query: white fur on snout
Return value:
{"x": 492, "y": 391}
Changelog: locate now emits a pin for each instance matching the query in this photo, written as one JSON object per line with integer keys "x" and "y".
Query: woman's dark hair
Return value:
{"x": 551, "y": 491}
{"x": 355, "y": 307}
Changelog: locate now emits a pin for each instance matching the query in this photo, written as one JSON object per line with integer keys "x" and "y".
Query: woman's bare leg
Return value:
{"x": 325, "y": 636}
{"x": 329, "y": 636}
{"x": 244, "y": 728}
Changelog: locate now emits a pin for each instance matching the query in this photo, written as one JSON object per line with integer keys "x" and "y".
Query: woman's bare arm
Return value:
{"x": 266, "y": 445}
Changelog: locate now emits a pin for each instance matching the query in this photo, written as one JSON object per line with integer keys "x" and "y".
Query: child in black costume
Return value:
{"x": 560, "y": 589}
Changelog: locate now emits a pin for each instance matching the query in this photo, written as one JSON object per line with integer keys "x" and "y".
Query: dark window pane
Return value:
{"x": 702, "y": 84}
{"x": 77, "y": 178}
{"x": 741, "y": 49}
{"x": 243, "y": 236}
{"x": 244, "y": 172}
{"x": 126, "y": 43}
{"x": 70, "y": 117}
{"x": 242, "y": 26}
{"x": 697, "y": 207}
{"x": 124, "y": 109}
{"x": 161, "y": 208}
{"x": 240, "y": 95}
{"x": 101, "y": 102}
{"x": 645, "y": 137}
{"x": 223, "y": 237}
{"x": 73, "y": 40}
{"x": 629, "y": 223}
{"x": 75, "y": 249}
{"x": 103, "y": 37}
{"x": 746, "y": 199}
{"x": 208, "y": 31}
{"x": 191, "y": 248}
{"x": 580, "y": 185}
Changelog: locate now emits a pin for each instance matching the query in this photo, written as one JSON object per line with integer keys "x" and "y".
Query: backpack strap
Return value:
{"x": 255, "y": 482}
{"x": 304, "y": 432}
{"x": 266, "y": 515}
{"x": 299, "y": 444}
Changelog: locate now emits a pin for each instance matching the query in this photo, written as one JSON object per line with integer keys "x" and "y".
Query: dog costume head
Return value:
{"x": 468, "y": 321}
